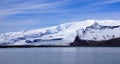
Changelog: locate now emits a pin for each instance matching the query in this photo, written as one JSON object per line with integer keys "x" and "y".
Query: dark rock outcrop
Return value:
{"x": 80, "y": 42}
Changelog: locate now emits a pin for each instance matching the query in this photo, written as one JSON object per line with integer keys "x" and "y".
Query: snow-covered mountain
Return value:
{"x": 97, "y": 32}
{"x": 65, "y": 31}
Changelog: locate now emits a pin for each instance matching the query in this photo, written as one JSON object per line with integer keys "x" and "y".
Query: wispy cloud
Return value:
{"x": 96, "y": 5}
{"x": 29, "y": 7}
{"x": 25, "y": 22}
{"x": 30, "y": 12}
{"x": 105, "y": 2}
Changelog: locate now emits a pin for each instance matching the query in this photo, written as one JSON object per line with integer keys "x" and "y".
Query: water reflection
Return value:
{"x": 73, "y": 55}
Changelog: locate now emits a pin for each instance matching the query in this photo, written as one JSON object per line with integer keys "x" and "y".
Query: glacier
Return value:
{"x": 66, "y": 31}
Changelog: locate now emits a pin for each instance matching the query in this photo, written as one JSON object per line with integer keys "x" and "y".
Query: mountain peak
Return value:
{"x": 95, "y": 25}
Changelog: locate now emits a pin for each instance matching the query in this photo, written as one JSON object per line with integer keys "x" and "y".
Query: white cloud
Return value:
{"x": 105, "y": 2}
{"x": 98, "y": 5}
{"x": 109, "y": 1}
{"x": 25, "y": 22}
{"x": 30, "y": 7}
{"x": 49, "y": 7}
{"x": 25, "y": 7}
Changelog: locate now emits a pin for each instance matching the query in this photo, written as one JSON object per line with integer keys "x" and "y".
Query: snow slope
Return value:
{"x": 66, "y": 31}
{"x": 99, "y": 32}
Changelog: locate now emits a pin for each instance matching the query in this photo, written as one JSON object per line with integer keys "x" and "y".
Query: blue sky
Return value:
{"x": 16, "y": 15}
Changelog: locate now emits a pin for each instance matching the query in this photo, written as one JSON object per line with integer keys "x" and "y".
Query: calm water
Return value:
{"x": 73, "y": 55}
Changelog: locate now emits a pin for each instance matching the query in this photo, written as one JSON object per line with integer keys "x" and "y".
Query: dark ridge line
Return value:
{"x": 31, "y": 46}
{"x": 48, "y": 46}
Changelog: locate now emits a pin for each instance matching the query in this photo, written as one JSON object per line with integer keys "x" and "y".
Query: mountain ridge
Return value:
{"x": 66, "y": 31}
